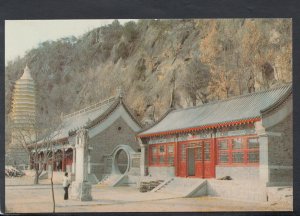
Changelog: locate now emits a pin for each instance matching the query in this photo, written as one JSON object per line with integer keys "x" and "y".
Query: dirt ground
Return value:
{"x": 22, "y": 198}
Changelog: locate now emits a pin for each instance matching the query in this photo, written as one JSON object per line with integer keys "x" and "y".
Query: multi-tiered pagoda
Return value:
{"x": 22, "y": 115}
{"x": 23, "y": 102}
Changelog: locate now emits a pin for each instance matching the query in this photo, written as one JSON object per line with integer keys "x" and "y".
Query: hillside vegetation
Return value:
{"x": 158, "y": 64}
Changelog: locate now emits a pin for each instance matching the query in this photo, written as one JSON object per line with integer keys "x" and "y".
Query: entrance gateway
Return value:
{"x": 196, "y": 159}
{"x": 120, "y": 161}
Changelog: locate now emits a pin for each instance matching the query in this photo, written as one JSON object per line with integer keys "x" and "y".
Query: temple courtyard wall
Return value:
{"x": 104, "y": 143}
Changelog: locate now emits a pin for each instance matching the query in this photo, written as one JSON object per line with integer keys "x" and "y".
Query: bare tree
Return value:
{"x": 196, "y": 81}
{"x": 38, "y": 140}
{"x": 221, "y": 84}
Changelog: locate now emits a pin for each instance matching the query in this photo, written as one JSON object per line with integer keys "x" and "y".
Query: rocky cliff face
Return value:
{"x": 158, "y": 64}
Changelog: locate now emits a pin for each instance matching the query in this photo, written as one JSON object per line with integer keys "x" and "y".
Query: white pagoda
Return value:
{"x": 23, "y": 113}
{"x": 23, "y": 100}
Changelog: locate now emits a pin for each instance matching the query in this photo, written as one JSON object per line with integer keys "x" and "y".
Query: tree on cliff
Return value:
{"x": 242, "y": 55}
{"x": 195, "y": 81}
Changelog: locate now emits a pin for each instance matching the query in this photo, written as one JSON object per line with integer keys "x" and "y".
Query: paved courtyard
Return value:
{"x": 37, "y": 198}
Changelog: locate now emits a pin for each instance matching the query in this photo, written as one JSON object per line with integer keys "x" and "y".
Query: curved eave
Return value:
{"x": 130, "y": 114}
{"x": 24, "y": 95}
{"x": 24, "y": 90}
{"x": 25, "y": 85}
{"x": 278, "y": 103}
{"x": 20, "y": 106}
{"x": 155, "y": 123}
{"x": 25, "y": 79}
{"x": 23, "y": 107}
{"x": 41, "y": 143}
{"x": 104, "y": 115}
{"x": 203, "y": 127}
{"x": 29, "y": 102}
{"x": 109, "y": 111}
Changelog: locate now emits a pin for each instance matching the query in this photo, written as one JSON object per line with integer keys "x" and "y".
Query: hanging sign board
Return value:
{"x": 235, "y": 133}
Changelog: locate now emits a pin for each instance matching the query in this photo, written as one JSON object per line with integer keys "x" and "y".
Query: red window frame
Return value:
{"x": 231, "y": 150}
{"x": 166, "y": 155}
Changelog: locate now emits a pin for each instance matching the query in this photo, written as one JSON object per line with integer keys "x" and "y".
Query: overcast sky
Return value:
{"x": 23, "y": 35}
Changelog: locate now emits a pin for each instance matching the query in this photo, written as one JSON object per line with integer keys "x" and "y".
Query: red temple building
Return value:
{"x": 248, "y": 137}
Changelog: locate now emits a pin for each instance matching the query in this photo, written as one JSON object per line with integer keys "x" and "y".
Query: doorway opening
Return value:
{"x": 122, "y": 161}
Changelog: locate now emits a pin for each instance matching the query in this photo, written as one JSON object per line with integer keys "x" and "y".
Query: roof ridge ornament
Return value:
{"x": 120, "y": 93}
{"x": 90, "y": 107}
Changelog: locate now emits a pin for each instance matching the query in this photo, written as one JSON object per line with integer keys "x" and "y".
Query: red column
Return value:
{"x": 214, "y": 155}
{"x": 63, "y": 160}
{"x": 147, "y": 159}
{"x": 176, "y": 156}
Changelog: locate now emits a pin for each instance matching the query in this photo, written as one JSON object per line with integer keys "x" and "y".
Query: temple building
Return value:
{"x": 109, "y": 124}
{"x": 248, "y": 137}
{"x": 23, "y": 115}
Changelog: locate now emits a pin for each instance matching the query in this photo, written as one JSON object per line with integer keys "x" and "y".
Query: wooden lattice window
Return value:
{"x": 238, "y": 150}
{"x": 183, "y": 152}
{"x": 207, "y": 151}
{"x": 161, "y": 154}
{"x": 253, "y": 150}
{"x": 223, "y": 147}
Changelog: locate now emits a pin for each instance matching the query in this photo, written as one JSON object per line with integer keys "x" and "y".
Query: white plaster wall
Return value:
{"x": 253, "y": 191}
{"x": 238, "y": 173}
{"x": 162, "y": 171}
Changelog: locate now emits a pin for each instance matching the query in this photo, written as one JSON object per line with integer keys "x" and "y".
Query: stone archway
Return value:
{"x": 115, "y": 155}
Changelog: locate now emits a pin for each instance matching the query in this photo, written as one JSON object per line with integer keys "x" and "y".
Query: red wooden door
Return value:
{"x": 208, "y": 162}
{"x": 203, "y": 162}
{"x": 199, "y": 160}
{"x": 182, "y": 172}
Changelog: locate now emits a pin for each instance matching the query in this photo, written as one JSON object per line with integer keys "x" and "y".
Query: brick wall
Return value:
{"x": 281, "y": 151}
{"x": 104, "y": 143}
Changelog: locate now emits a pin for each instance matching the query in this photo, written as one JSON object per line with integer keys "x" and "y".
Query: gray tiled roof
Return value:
{"x": 232, "y": 109}
{"x": 81, "y": 118}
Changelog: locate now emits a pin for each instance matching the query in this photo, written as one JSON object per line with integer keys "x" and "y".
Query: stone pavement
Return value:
{"x": 25, "y": 199}
{"x": 28, "y": 180}
{"x": 119, "y": 195}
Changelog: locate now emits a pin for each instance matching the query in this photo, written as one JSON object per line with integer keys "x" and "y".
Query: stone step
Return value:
{"x": 111, "y": 180}
{"x": 181, "y": 186}
{"x": 147, "y": 185}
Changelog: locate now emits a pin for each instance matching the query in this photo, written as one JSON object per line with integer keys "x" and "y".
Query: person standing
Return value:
{"x": 66, "y": 184}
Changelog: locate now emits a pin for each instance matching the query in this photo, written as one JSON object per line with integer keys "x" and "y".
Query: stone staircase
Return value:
{"x": 130, "y": 181}
{"x": 183, "y": 187}
{"x": 163, "y": 185}
{"x": 111, "y": 180}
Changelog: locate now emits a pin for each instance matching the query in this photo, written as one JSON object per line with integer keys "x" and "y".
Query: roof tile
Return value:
{"x": 233, "y": 109}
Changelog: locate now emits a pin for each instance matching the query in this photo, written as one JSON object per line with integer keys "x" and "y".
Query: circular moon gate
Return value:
{"x": 125, "y": 151}
{"x": 122, "y": 161}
